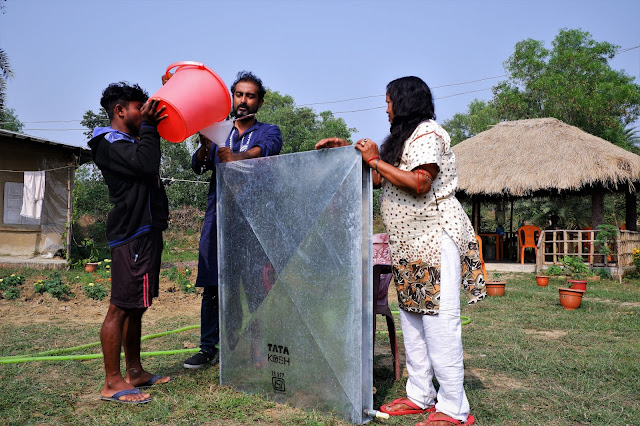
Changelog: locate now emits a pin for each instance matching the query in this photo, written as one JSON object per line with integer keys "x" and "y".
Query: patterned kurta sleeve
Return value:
{"x": 425, "y": 146}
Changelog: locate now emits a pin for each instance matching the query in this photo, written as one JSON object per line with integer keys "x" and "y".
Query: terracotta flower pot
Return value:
{"x": 542, "y": 280}
{"x": 91, "y": 267}
{"x": 570, "y": 298}
{"x": 578, "y": 284}
{"x": 495, "y": 288}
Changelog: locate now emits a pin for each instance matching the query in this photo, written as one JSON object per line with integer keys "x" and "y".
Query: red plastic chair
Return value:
{"x": 381, "y": 279}
{"x": 527, "y": 238}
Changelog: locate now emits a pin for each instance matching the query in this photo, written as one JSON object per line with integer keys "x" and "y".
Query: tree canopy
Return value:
{"x": 9, "y": 120}
{"x": 480, "y": 116}
{"x": 572, "y": 82}
{"x": 5, "y": 73}
{"x": 301, "y": 127}
{"x": 91, "y": 120}
{"x": 5, "y": 68}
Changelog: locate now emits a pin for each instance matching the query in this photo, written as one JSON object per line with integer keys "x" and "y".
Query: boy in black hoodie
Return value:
{"x": 128, "y": 155}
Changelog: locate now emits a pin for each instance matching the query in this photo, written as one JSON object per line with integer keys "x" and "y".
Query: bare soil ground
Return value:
{"x": 42, "y": 308}
{"x": 37, "y": 308}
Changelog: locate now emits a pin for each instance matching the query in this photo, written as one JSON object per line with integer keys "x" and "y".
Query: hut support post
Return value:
{"x": 597, "y": 207}
{"x": 475, "y": 213}
{"x": 511, "y": 219}
{"x": 631, "y": 202}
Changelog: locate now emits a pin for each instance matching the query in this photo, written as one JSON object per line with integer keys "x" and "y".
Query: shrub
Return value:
{"x": 54, "y": 286}
{"x": 574, "y": 266}
{"x": 636, "y": 258}
{"x": 181, "y": 278}
{"x": 606, "y": 238}
{"x": 87, "y": 250}
{"x": 603, "y": 273}
{"x": 497, "y": 276}
{"x": 13, "y": 280}
{"x": 95, "y": 291}
{"x": 39, "y": 287}
{"x": 554, "y": 270}
{"x": 11, "y": 286}
{"x": 12, "y": 293}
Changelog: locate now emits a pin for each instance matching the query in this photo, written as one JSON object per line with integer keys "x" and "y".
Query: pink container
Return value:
{"x": 195, "y": 97}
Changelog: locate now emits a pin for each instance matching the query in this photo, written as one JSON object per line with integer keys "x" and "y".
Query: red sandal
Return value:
{"x": 413, "y": 408}
{"x": 470, "y": 420}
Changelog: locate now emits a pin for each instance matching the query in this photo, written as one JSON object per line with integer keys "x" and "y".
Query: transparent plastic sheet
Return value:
{"x": 294, "y": 249}
{"x": 53, "y": 219}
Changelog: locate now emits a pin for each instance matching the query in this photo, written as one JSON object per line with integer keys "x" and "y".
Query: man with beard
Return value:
{"x": 128, "y": 155}
{"x": 249, "y": 138}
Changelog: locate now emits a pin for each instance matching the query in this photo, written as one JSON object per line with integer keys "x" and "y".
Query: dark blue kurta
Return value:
{"x": 269, "y": 139}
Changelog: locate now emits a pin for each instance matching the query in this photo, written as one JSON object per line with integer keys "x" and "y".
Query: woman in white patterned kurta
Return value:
{"x": 433, "y": 249}
{"x": 415, "y": 224}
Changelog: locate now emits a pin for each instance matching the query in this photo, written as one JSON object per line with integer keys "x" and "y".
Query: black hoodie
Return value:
{"x": 130, "y": 168}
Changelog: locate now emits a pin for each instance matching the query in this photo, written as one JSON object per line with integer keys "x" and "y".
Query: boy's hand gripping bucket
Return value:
{"x": 195, "y": 97}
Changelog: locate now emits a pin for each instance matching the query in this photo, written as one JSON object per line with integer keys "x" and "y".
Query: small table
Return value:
{"x": 499, "y": 243}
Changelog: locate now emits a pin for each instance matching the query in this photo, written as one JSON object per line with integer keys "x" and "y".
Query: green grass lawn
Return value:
{"x": 527, "y": 361}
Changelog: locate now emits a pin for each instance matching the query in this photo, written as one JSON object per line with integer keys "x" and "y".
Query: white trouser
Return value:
{"x": 433, "y": 344}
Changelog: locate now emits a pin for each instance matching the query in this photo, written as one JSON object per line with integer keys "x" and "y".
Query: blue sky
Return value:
{"x": 64, "y": 53}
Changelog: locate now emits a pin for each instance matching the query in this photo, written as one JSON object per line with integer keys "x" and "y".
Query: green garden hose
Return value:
{"x": 52, "y": 354}
{"x": 15, "y": 360}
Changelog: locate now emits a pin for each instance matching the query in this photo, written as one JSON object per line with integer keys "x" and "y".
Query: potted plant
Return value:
{"x": 496, "y": 287}
{"x": 91, "y": 266}
{"x": 577, "y": 271}
{"x": 90, "y": 261}
{"x": 571, "y": 298}
{"x": 542, "y": 280}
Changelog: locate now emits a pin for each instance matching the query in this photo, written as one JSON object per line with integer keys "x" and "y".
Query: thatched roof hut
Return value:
{"x": 541, "y": 156}
{"x": 545, "y": 156}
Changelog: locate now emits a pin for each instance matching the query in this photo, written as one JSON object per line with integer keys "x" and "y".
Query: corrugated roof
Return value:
{"x": 84, "y": 154}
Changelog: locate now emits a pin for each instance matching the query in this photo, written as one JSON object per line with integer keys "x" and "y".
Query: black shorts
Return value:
{"x": 135, "y": 271}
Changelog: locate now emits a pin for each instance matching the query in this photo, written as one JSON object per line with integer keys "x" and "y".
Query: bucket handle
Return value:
{"x": 181, "y": 64}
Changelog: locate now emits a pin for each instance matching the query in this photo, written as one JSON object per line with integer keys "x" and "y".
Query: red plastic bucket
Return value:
{"x": 195, "y": 97}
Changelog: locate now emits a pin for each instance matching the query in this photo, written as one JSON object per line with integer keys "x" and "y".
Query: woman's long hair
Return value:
{"x": 412, "y": 104}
